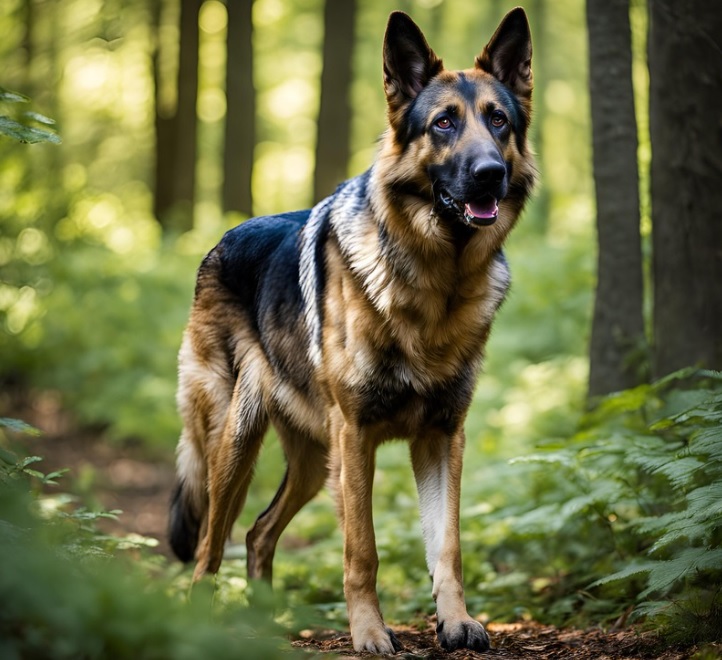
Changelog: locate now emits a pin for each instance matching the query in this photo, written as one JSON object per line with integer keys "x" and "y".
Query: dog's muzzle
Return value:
{"x": 480, "y": 213}
{"x": 479, "y": 207}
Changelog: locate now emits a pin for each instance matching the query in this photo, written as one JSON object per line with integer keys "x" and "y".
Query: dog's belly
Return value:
{"x": 298, "y": 409}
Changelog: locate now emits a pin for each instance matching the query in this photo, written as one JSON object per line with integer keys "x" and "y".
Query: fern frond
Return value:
{"x": 664, "y": 574}
{"x": 633, "y": 569}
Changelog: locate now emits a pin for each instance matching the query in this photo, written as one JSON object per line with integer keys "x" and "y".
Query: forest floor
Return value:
{"x": 124, "y": 477}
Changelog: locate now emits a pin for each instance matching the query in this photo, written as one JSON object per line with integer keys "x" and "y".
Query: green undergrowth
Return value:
{"x": 621, "y": 520}
{"x": 69, "y": 591}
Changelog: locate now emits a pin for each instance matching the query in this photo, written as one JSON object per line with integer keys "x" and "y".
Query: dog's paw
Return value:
{"x": 465, "y": 634}
{"x": 381, "y": 641}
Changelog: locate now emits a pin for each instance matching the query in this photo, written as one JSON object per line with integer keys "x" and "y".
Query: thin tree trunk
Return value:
{"x": 175, "y": 128}
{"x": 186, "y": 120}
{"x": 537, "y": 10}
{"x": 618, "y": 323}
{"x": 685, "y": 66}
{"x": 164, "y": 123}
{"x": 240, "y": 110}
{"x": 334, "y": 116}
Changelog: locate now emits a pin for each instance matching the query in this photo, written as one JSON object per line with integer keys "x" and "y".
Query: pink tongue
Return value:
{"x": 487, "y": 208}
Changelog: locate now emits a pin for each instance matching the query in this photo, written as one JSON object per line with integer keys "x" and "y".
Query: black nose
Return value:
{"x": 488, "y": 172}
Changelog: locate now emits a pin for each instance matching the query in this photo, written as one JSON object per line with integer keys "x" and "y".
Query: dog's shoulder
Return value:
{"x": 249, "y": 249}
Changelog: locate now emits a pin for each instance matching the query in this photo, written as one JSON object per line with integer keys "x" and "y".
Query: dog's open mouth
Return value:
{"x": 480, "y": 213}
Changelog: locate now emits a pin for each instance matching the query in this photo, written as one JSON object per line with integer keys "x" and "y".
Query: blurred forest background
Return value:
{"x": 181, "y": 118}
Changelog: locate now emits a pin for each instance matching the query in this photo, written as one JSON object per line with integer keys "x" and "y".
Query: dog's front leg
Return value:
{"x": 357, "y": 455}
{"x": 437, "y": 461}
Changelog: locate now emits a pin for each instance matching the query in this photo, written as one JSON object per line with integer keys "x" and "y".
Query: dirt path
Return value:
{"x": 102, "y": 474}
{"x": 518, "y": 641}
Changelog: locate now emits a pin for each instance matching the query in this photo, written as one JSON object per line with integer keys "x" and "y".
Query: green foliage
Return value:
{"x": 626, "y": 512}
{"x": 71, "y": 592}
{"x": 21, "y": 130}
{"x": 105, "y": 331}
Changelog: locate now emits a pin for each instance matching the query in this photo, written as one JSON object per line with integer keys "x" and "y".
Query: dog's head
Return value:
{"x": 460, "y": 137}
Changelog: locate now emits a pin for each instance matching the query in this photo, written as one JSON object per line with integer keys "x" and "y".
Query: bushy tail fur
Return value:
{"x": 184, "y": 525}
{"x": 189, "y": 503}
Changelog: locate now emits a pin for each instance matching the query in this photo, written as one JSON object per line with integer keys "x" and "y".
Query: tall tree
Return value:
{"x": 538, "y": 11}
{"x": 176, "y": 144}
{"x": 334, "y": 115}
{"x": 685, "y": 67}
{"x": 163, "y": 120}
{"x": 240, "y": 109}
{"x": 618, "y": 323}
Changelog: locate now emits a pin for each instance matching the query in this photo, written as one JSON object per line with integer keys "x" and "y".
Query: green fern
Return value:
{"x": 631, "y": 505}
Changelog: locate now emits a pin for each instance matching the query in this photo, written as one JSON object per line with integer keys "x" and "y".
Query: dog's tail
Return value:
{"x": 189, "y": 502}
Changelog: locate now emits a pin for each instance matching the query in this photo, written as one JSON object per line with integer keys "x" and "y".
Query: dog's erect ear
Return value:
{"x": 409, "y": 62}
{"x": 507, "y": 56}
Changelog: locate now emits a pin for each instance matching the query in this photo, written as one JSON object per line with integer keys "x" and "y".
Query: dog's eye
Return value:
{"x": 498, "y": 119}
{"x": 443, "y": 123}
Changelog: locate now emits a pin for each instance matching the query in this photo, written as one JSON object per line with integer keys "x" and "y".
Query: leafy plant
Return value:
{"x": 70, "y": 592}
{"x": 22, "y": 131}
{"x": 628, "y": 512}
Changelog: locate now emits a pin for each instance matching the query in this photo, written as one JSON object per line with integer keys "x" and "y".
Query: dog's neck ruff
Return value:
{"x": 310, "y": 275}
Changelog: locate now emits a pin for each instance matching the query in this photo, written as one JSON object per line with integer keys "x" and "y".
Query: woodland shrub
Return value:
{"x": 625, "y": 517}
{"x": 70, "y": 592}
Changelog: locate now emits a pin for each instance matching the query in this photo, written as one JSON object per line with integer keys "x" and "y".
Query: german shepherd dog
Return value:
{"x": 361, "y": 320}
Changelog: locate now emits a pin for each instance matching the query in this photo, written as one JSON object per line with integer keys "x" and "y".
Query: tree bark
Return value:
{"x": 618, "y": 322}
{"x": 240, "y": 134}
{"x": 186, "y": 121}
{"x": 537, "y": 11}
{"x": 176, "y": 140}
{"x": 685, "y": 66}
{"x": 164, "y": 120}
{"x": 334, "y": 116}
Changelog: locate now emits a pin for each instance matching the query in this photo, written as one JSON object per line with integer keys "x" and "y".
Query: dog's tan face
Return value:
{"x": 461, "y": 136}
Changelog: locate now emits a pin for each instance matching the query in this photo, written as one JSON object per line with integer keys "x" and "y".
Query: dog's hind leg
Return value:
{"x": 204, "y": 394}
{"x": 437, "y": 461}
{"x": 306, "y": 472}
{"x": 230, "y": 464}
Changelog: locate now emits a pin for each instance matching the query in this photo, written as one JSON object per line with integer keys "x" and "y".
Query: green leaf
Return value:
{"x": 8, "y": 457}
{"x": 708, "y": 443}
{"x": 12, "y": 97}
{"x": 563, "y": 457}
{"x": 52, "y": 476}
{"x": 664, "y": 574}
{"x": 19, "y": 426}
{"x": 630, "y": 571}
{"x": 681, "y": 471}
{"x": 28, "y": 460}
{"x": 42, "y": 119}
{"x": 690, "y": 530}
{"x": 27, "y": 134}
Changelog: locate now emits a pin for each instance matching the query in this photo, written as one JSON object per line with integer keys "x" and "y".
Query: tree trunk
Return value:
{"x": 334, "y": 116}
{"x": 537, "y": 12}
{"x": 685, "y": 66}
{"x": 175, "y": 172}
{"x": 186, "y": 120}
{"x": 240, "y": 110}
{"x": 164, "y": 120}
{"x": 618, "y": 323}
